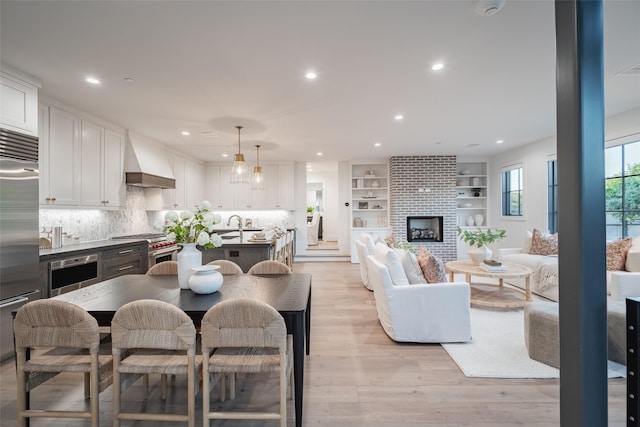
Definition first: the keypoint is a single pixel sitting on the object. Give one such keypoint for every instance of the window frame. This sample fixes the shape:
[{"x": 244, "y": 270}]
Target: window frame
[{"x": 506, "y": 192}]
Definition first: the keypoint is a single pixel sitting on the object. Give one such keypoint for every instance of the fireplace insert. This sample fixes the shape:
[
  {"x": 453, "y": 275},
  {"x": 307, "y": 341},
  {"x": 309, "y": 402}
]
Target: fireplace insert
[{"x": 424, "y": 229}]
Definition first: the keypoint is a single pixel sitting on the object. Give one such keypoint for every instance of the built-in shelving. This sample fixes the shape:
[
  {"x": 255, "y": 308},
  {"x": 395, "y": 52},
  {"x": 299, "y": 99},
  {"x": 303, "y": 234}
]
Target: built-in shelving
[{"x": 471, "y": 194}]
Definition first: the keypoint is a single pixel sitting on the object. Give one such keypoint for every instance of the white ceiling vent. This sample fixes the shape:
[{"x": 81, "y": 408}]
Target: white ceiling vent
[{"x": 633, "y": 70}]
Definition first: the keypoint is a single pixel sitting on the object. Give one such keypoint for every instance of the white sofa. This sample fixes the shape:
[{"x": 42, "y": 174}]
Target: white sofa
[
  {"x": 544, "y": 280},
  {"x": 425, "y": 313}
]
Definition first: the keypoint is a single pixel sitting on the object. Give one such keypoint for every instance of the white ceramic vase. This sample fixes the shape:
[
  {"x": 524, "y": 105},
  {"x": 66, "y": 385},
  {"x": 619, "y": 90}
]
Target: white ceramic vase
[
  {"x": 478, "y": 255},
  {"x": 205, "y": 279},
  {"x": 470, "y": 221},
  {"x": 479, "y": 219},
  {"x": 188, "y": 258}
]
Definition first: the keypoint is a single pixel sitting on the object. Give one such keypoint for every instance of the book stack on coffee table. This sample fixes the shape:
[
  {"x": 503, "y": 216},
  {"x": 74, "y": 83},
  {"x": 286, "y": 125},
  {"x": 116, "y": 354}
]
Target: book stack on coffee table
[{"x": 493, "y": 266}]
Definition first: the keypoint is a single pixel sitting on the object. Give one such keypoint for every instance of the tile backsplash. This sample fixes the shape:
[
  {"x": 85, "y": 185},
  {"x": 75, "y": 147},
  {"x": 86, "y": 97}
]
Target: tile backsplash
[{"x": 97, "y": 224}]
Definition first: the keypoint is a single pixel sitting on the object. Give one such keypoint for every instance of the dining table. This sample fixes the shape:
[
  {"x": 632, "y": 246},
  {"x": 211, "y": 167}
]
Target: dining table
[{"x": 289, "y": 294}]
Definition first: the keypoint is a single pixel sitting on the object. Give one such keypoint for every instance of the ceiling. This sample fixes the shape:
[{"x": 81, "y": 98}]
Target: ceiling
[{"x": 207, "y": 66}]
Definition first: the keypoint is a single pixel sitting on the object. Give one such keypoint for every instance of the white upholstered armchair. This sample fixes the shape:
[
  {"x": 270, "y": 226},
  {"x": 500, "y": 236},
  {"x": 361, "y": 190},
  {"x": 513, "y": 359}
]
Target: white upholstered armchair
[
  {"x": 312, "y": 229},
  {"x": 428, "y": 313}
]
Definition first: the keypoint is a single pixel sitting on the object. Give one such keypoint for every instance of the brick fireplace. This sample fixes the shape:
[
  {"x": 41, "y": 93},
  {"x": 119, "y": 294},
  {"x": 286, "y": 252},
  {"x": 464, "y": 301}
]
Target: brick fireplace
[{"x": 420, "y": 187}]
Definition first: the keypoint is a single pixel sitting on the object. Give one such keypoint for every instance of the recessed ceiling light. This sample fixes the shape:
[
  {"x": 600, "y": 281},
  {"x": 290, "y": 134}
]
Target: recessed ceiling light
[
  {"x": 92, "y": 80},
  {"x": 225, "y": 155},
  {"x": 129, "y": 80},
  {"x": 311, "y": 75},
  {"x": 185, "y": 133},
  {"x": 319, "y": 153},
  {"x": 437, "y": 67},
  {"x": 499, "y": 141},
  {"x": 399, "y": 117},
  {"x": 377, "y": 144}
]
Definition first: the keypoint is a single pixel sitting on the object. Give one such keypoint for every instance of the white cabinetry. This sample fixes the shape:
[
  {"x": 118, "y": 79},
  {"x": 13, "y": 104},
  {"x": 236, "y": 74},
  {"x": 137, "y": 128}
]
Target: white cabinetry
[
  {"x": 59, "y": 157},
  {"x": 369, "y": 202},
  {"x": 102, "y": 154},
  {"x": 190, "y": 178},
  {"x": 18, "y": 103},
  {"x": 471, "y": 190},
  {"x": 277, "y": 194}
]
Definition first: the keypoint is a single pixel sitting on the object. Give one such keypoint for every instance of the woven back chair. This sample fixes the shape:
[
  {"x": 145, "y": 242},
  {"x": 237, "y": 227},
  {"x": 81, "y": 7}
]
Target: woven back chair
[
  {"x": 164, "y": 268},
  {"x": 150, "y": 324},
  {"x": 227, "y": 267},
  {"x": 270, "y": 267},
  {"x": 246, "y": 336},
  {"x": 74, "y": 335}
]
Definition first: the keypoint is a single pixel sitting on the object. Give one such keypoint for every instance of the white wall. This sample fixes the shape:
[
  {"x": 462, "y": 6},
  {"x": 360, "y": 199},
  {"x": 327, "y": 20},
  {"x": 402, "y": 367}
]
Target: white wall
[{"x": 534, "y": 159}]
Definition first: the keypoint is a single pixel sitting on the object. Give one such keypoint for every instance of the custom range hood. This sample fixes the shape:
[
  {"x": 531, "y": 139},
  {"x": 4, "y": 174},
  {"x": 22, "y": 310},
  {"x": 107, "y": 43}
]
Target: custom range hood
[{"x": 146, "y": 164}]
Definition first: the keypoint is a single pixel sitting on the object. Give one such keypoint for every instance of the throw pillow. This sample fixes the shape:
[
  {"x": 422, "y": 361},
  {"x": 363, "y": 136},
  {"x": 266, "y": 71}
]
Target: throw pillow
[
  {"x": 411, "y": 267},
  {"x": 390, "y": 258},
  {"x": 543, "y": 244},
  {"x": 632, "y": 262},
  {"x": 617, "y": 254},
  {"x": 432, "y": 267}
]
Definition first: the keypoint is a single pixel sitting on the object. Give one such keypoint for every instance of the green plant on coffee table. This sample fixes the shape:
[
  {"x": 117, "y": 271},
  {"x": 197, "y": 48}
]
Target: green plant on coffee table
[{"x": 480, "y": 237}]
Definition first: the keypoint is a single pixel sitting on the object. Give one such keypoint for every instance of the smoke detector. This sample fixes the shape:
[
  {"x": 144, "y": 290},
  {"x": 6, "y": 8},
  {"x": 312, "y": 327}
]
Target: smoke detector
[{"x": 489, "y": 7}]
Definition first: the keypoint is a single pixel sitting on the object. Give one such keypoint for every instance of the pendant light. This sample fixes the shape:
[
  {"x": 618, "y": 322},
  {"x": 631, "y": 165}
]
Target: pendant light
[
  {"x": 257, "y": 181},
  {"x": 239, "y": 173}
]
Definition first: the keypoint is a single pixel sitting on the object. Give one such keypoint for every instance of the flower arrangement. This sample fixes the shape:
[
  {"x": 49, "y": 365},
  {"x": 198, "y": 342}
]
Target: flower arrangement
[
  {"x": 194, "y": 227},
  {"x": 480, "y": 237},
  {"x": 393, "y": 243}
]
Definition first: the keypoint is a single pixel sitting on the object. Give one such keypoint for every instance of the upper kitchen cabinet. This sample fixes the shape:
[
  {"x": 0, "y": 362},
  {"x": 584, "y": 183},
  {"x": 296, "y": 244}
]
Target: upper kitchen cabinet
[
  {"x": 190, "y": 178},
  {"x": 277, "y": 192},
  {"x": 59, "y": 156},
  {"x": 18, "y": 101},
  {"x": 102, "y": 154}
]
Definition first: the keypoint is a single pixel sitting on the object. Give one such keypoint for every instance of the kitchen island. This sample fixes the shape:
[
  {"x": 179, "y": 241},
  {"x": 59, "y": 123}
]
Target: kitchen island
[{"x": 243, "y": 251}]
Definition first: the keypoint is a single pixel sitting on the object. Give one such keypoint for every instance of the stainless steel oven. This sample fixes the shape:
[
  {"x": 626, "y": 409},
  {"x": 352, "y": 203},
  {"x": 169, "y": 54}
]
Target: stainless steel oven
[
  {"x": 72, "y": 273},
  {"x": 160, "y": 249}
]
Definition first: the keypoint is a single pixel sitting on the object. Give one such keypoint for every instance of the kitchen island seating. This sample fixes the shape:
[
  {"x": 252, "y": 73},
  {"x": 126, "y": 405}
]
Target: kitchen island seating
[
  {"x": 144, "y": 325},
  {"x": 425, "y": 313},
  {"x": 247, "y": 336},
  {"x": 270, "y": 267},
  {"x": 226, "y": 266},
  {"x": 72, "y": 332},
  {"x": 164, "y": 268}
]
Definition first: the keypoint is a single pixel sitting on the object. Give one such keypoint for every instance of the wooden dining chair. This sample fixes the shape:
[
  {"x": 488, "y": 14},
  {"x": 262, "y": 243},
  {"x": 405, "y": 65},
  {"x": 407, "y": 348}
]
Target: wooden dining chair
[
  {"x": 164, "y": 268},
  {"x": 72, "y": 341},
  {"x": 144, "y": 325},
  {"x": 227, "y": 267},
  {"x": 270, "y": 267},
  {"x": 245, "y": 336}
]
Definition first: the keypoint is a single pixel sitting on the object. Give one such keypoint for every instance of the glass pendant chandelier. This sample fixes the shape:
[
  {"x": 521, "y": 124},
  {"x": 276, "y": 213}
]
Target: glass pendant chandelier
[
  {"x": 257, "y": 181},
  {"x": 239, "y": 173}
]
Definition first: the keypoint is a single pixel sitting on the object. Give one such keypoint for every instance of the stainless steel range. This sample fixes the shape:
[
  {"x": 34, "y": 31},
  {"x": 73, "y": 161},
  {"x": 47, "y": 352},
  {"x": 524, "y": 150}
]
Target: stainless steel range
[{"x": 160, "y": 249}]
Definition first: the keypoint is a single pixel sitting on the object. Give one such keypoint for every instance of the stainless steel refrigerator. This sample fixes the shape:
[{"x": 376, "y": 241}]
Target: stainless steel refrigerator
[{"x": 19, "y": 238}]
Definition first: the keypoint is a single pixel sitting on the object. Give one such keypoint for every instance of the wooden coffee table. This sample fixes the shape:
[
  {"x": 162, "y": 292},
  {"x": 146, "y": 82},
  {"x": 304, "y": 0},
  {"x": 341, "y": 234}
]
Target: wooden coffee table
[{"x": 491, "y": 295}]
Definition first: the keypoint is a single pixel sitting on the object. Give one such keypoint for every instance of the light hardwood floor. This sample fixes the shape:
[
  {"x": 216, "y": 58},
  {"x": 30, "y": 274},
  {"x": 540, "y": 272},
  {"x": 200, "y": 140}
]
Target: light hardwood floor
[{"x": 354, "y": 376}]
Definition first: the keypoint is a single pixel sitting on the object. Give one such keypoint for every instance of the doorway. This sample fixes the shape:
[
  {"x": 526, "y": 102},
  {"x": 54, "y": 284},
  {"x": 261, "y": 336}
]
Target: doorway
[{"x": 322, "y": 206}]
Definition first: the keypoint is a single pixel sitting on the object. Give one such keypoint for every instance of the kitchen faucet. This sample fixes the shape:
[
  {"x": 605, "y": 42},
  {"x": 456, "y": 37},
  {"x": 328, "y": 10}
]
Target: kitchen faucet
[{"x": 239, "y": 224}]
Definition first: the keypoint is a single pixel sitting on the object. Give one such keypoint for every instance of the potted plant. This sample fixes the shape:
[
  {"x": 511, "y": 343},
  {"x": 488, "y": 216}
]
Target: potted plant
[
  {"x": 478, "y": 240},
  {"x": 309, "y": 210}
]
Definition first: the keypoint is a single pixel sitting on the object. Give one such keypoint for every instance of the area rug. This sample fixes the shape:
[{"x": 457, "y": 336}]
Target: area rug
[{"x": 497, "y": 349}]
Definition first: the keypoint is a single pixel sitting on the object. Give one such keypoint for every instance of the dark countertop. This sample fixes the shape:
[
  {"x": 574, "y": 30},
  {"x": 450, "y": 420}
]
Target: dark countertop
[{"x": 76, "y": 249}]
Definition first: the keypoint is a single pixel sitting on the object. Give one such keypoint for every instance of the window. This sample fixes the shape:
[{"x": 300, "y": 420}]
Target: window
[
  {"x": 512, "y": 192},
  {"x": 622, "y": 190},
  {"x": 552, "y": 196}
]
